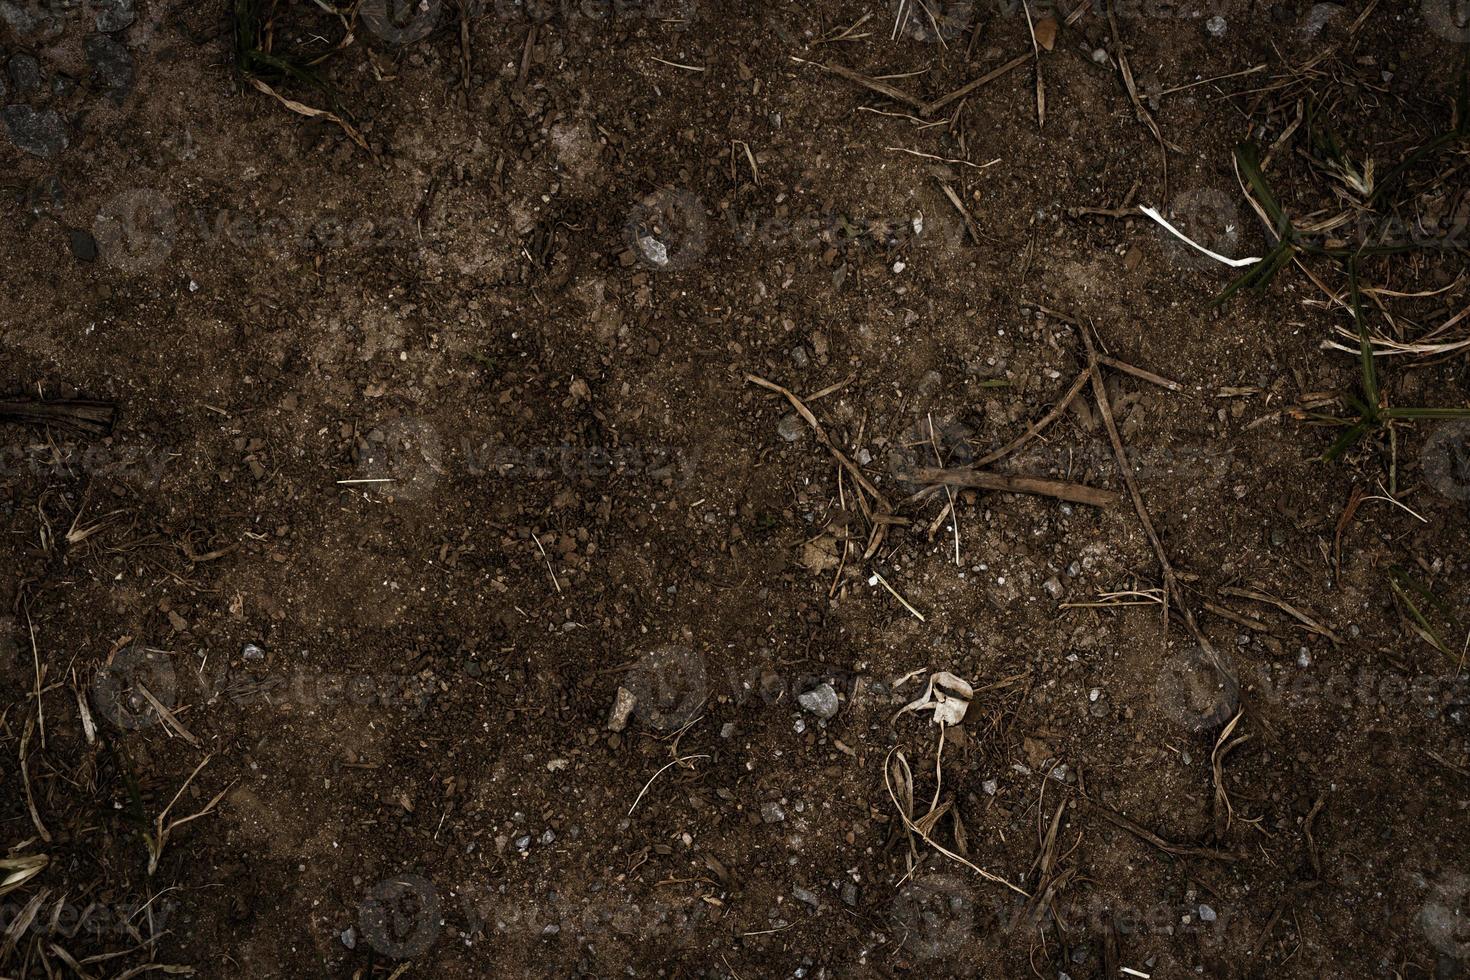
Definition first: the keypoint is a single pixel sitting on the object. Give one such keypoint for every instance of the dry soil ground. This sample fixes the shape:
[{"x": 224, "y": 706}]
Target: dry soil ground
[{"x": 430, "y": 333}]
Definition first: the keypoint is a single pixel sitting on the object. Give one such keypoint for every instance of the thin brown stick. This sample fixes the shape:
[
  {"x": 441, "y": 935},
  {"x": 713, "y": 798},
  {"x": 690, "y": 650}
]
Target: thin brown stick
[
  {"x": 825, "y": 440},
  {"x": 1144, "y": 834},
  {"x": 1139, "y": 372},
  {"x": 869, "y": 82},
  {"x": 985, "y": 480},
  {"x": 928, "y": 109},
  {"x": 1035, "y": 429},
  {"x": 1126, "y": 469}
]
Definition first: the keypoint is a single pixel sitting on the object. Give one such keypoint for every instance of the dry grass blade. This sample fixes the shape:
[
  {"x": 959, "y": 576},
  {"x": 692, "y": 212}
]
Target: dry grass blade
[
  {"x": 310, "y": 112},
  {"x": 23, "y": 921},
  {"x": 914, "y": 828},
  {"x": 825, "y": 440},
  {"x": 1256, "y": 595},
  {"x": 163, "y": 827},
  {"x": 25, "y": 775},
  {"x": 16, "y": 871},
  {"x": 666, "y": 766},
  {"x": 1224, "y": 812}
]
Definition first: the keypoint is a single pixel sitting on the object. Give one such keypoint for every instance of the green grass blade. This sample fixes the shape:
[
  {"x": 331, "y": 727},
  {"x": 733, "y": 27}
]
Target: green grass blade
[
  {"x": 1365, "y": 346},
  {"x": 1427, "y": 413},
  {"x": 1346, "y": 441}
]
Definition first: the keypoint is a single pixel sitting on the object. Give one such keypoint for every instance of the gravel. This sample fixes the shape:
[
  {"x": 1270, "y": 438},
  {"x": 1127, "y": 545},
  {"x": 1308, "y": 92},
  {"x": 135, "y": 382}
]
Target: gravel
[
  {"x": 820, "y": 701},
  {"x": 39, "y": 133}
]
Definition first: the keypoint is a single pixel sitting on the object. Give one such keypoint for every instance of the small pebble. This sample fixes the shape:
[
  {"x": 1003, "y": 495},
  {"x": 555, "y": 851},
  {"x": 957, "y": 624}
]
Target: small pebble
[
  {"x": 990, "y": 786},
  {"x": 820, "y": 701},
  {"x": 791, "y": 427},
  {"x": 114, "y": 15},
  {"x": 40, "y": 133},
  {"x": 1206, "y": 914},
  {"x": 772, "y": 812},
  {"x": 252, "y": 652},
  {"x": 1216, "y": 26},
  {"x": 623, "y": 705},
  {"x": 83, "y": 246}
]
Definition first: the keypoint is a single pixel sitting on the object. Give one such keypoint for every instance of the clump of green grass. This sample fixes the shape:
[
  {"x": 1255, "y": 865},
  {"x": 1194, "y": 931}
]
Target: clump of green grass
[{"x": 1371, "y": 411}]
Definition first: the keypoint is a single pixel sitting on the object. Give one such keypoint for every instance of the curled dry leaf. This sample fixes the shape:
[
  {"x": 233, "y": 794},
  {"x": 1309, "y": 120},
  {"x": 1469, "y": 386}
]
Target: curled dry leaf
[{"x": 947, "y": 695}]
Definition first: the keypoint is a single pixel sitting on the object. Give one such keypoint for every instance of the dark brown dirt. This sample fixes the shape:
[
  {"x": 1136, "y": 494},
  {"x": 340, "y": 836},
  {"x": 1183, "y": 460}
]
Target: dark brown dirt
[{"x": 424, "y": 450}]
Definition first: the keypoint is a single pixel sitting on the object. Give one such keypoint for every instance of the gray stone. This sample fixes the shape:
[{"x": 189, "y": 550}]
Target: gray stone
[
  {"x": 114, "y": 15},
  {"x": 820, "y": 701},
  {"x": 791, "y": 427},
  {"x": 1054, "y": 587},
  {"x": 25, "y": 74},
  {"x": 772, "y": 812},
  {"x": 84, "y": 248},
  {"x": 1216, "y": 26},
  {"x": 623, "y": 704},
  {"x": 39, "y": 133},
  {"x": 806, "y": 895},
  {"x": 112, "y": 63},
  {"x": 1207, "y": 914}
]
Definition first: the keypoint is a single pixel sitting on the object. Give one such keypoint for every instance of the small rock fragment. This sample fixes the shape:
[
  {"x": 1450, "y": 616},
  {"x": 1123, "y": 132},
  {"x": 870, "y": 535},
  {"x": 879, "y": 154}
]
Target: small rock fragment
[
  {"x": 25, "y": 74},
  {"x": 1216, "y": 26},
  {"x": 806, "y": 895},
  {"x": 622, "y": 709},
  {"x": 112, "y": 63},
  {"x": 114, "y": 15},
  {"x": 791, "y": 427},
  {"x": 83, "y": 246},
  {"x": 772, "y": 812},
  {"x": 1054, "y": 587},
  {"x": 820, "y": 701},
  {"x": 40, "y": 133},
  {"x": 1207, "y": 914}
]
